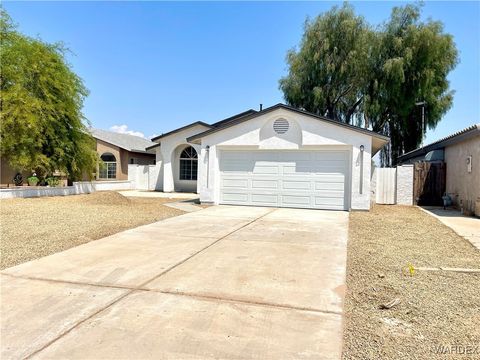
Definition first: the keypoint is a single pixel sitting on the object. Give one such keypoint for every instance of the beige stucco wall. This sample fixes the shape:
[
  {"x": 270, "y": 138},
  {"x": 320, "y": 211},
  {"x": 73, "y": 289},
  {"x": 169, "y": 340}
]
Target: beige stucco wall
[
  {"x": 123, "y": 158},
  {"x": 7, "y": 173},
  {"x": 122, "y": 167},
  {"x": 459, "y": 181}
]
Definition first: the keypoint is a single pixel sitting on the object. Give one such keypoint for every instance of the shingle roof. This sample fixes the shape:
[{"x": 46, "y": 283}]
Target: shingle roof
[
  {"x": 125, "y": 141},
  {"x": 454, "y": 138}
]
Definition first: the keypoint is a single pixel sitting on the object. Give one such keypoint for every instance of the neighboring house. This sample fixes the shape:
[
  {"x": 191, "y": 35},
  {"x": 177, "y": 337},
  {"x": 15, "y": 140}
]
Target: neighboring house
[
  {"x": 118, "y": 150},
  {"x": 280, "y": 156},
  {"x": 115, "y": 149},
  {"x": 461, "y": 153}
]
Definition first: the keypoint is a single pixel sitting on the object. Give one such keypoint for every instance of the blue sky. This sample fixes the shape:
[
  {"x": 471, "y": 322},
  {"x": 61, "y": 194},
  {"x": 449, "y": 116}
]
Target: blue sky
[{"x": 155, "y": 66}]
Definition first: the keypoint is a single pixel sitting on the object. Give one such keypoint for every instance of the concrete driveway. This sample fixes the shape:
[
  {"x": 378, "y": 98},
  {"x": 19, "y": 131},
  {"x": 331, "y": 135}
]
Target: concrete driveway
[{"x": 225, "y": 282}]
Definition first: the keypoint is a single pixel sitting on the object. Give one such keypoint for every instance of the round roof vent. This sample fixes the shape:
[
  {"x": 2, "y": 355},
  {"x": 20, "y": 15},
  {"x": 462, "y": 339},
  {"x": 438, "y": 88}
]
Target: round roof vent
[{"x": 280, "y": 126}]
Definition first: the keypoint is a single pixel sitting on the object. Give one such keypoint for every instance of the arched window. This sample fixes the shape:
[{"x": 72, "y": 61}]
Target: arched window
[
  {"x": 108, "y": 169},
  {"x": 188, "y": 164}
]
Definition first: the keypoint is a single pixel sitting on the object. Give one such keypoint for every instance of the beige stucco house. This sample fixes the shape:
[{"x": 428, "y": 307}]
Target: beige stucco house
[
  {"x": 118, "y": 151},
  {"x": 115, "y": 149},
  {"x": 461, "y": 153}
]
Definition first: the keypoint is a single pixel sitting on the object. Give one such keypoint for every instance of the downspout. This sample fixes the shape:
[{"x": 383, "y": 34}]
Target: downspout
[
  {"x": 362, "y": 148},
  {"x": 207, "y": 148}
]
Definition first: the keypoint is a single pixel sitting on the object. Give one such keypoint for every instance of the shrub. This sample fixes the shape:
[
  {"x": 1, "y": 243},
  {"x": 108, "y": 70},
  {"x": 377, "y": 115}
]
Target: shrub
[
  {"x": 52, "y": 181},
  {"x": 32, "y": 180}
]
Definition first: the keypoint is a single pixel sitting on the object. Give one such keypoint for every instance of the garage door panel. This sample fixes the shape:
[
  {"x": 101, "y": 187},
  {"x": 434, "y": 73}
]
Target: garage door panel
[
  {"x": 295, "y": 200},
  {"x": 329, "y": 194},
  {"x": 329, "y": 186},
  {"x": 313, "y": 169},
  {"x": 265, "y": 184},
  {"x": 234, "y": 197},
  {"x": 305, "y": 179},
  {"x": 266, "y": 169},
  {"x": 235, "y": 183},
  {"x": 296, "y": 185},
  {"x": 264, "y": 199}
]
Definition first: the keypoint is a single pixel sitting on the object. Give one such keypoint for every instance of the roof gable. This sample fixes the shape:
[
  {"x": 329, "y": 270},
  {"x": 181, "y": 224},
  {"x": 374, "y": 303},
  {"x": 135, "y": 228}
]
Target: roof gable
[{"x": 256, "y": 114}]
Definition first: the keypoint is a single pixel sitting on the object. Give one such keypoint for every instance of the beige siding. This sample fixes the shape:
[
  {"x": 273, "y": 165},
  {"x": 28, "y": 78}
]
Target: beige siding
[{"x": 459, "y": 181}]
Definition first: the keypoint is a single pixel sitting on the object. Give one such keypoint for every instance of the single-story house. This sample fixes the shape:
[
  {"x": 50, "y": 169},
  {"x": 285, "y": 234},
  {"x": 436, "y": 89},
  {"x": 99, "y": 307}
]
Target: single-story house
[
  {"x": 461, "y": 154},
  {"x": 279, "y": 156},
  {"x": 115, "y": 149},
  {"x": 118, "y": 150}
]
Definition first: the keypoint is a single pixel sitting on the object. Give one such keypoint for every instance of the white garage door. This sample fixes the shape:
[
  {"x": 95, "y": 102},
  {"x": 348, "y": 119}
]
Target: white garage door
[{"x": 301, "y": 179}]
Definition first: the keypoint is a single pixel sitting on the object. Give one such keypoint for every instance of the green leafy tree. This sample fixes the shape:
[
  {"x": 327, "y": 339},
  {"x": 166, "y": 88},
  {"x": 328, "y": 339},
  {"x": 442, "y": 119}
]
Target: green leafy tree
[
  {"x": 411, "y": 63},
  {"x": 379, "y": 77},
  {"x": 329, "y": 71},
  {"x": 42, "y": 125}
]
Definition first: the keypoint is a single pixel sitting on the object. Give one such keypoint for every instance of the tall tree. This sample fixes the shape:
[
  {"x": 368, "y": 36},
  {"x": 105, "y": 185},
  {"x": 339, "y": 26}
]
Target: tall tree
[
  {"x": 328, "y": 72},
  {"x": 42, "y": 125},
  {"x": 411, "y": 63},
  {"x": 387, "y": 72}
]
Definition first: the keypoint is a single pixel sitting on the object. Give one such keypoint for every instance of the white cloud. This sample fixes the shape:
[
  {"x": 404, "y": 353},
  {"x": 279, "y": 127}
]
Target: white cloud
[
  {"x": 153, "y": 135},
  {"x": 123, "y": 129}
]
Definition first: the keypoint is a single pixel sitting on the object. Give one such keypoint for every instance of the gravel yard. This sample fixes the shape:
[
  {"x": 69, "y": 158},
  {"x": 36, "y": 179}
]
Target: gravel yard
[
  {"x": 438, "y": 310},
  {"x": 35, "y": 227}
]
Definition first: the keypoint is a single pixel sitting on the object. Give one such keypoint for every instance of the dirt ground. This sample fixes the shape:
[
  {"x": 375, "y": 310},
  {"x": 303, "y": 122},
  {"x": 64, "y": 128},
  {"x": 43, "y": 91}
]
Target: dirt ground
[
  {"x": 439, "y": 313},
  {"x": 35, "y": 227}
]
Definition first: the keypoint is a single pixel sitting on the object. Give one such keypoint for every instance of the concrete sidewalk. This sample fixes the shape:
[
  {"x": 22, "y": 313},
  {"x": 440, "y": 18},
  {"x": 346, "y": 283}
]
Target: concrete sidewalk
[
  {"x": 224, "y": 282},
  {"x": 465, "y": 226}
]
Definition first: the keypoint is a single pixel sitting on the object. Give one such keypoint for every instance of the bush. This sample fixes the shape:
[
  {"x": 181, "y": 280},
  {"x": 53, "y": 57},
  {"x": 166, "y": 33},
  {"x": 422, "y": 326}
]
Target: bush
[
  {"x": 52, "y": 181},
  {"x": 32, "y": 181}
]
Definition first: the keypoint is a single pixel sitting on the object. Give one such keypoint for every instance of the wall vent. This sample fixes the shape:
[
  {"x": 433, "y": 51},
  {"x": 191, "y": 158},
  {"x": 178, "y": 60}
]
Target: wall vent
[{"x": 280, "y": 126}]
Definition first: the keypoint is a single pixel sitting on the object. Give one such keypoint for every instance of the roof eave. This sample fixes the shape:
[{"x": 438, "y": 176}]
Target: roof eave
[
  {"x": 180, "y": 129},
  {"x": 152, "y": 146},
  {"x": 455, "y": 138}
]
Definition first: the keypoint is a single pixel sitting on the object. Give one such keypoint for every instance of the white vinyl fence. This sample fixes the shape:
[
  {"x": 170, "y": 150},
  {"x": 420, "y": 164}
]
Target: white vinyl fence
[
  {"x": 386, "y": 186},
  {"x": 393, "y": 185},
  {"x": 143, "y": 177}
]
